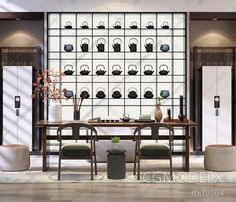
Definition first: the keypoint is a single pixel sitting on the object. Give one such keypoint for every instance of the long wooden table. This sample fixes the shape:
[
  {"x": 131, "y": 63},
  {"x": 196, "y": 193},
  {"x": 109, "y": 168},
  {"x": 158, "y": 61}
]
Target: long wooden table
[{"x": 43, "y": 125}]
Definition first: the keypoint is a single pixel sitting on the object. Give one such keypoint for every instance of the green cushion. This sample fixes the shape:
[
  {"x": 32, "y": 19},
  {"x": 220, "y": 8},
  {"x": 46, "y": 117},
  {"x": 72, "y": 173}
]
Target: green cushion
[
  {"x": 156, "y": 149},
  {"x": 76, "y": 149}
]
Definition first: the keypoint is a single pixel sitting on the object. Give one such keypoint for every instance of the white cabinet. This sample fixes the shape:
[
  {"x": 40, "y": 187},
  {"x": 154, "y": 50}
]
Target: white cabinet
[
  {"x": 216, "y": 105},
  {"x": 17, "y": 122}
]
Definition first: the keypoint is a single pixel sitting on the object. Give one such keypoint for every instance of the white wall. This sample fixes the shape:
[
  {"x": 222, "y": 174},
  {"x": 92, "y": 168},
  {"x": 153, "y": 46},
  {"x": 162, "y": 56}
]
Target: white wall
[{"x": 117, "y": 5}]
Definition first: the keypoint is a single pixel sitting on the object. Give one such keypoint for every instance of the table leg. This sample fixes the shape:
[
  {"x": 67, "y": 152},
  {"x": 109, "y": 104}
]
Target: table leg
[
  {"x": 45, "y": 160},
  {"x": 186, "y": 152}
]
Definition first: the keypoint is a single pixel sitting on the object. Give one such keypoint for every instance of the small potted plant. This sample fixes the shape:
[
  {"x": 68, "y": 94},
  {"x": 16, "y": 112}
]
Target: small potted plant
[{"x": 115, "y": 143}]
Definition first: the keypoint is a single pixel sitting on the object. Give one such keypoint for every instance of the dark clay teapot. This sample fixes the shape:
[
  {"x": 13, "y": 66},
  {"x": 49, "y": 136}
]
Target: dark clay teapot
[
  {"x": 163, "y": 69},
  {"x": 132, "y": 93},
  {"x": 100, "y": 70},
  {"x": 148, "y": 93},
  {"x": 134, "y": 25},
  {"x": 164, "y": 47},
  {"x": 68, "y": 94},
  {"x": 84, "y": 70},
  {"x": 68, "y": 25},
  {"x": 149, "y": 44},
  {"x": 116, "y": 93},
  {"x": 150, "y": 25},
  {"x": 84, "y": 93},
  {"x": 68, "y": 69},
  {"x": 165, "y": 93},
  {"x": 132, "y": 70},
  {"x": 84, "y": 44},
  {"x": 148, "y": 70},
  {"x": 68, "y": 47},
  {"x": 84, "y": 25},
  {"x": 100, "y": 93},
  {"x": 116, "y": 70},
  {"x": 133, "y": 45},
  {"x": 165, "y": 25},
  {"x": 101, "y": 44},
  {"x": 125, "y": 117},
  {"x": 116, "y": 44},
  {"x": 117, "y": 25},
  {"x": 101, "y": 25}
]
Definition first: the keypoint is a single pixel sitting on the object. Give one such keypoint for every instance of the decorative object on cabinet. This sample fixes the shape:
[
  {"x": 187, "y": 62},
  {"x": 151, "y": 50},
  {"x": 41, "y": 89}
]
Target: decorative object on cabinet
[
  {"x": 68, "y": 25},
  {"x": 164, "y": 93},
  {"x": 68, "y": 94},
  {"x": 158, "y": 113},
  {"x": 150, "y": 25},
  {"x": 115, "y": 143},
  {"x": 100, "y": 70},
  {"x": 84, "y": 69},
  {"x": 163, "y": 69},
  {"x": 101, "y": 25},
  {"x": 148, "y": 69},
  {"x": 116, "y": 44},
  {"x": 68, "y": 69},
  {"x": 116, "y": 70},
  {"x": 149, "y": 44},
  {"x": 181, "y": 106},
  {"x": 116, "y": 93},
  {"x": 132, "y": 92},
  {"x": 84, "y": 44},
  {"x": 134, "y": 25},
  {"x": 148, "y": 93},
  {"x": 68, "y": 47},
  {"x": 133, "y": 44},
  {"x": 84, "y": 25},
  {"x": 164, "y": 47},
  {"x": 132, "y": 70},
  {"x": 101, "y": 44},
  {"x": 84, "y": 93},
  {"x": 125, "y": 117},
  {"x": 165, "y": 25},
  {"x": 117, "y": 25},
  {"x": 100, "y": 93},
  {"x": 168, "y": 114}
]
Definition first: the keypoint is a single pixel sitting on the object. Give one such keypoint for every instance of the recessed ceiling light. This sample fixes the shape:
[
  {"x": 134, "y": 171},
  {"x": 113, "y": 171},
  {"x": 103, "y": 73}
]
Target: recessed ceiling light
[
  {"x": 214, "y": 19},
  {"x": 18, "y": 19}
]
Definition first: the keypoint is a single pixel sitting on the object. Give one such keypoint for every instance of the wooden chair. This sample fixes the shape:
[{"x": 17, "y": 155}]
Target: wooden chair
[
  {"x": 77, "y": 150},
  {"x": 155, "y": 150}
]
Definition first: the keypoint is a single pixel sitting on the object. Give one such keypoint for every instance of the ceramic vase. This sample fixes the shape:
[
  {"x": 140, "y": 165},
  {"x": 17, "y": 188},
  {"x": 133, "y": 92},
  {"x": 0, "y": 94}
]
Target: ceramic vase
[
  {"x": 158, "y": 114},
  {"x": 115, "y": 146},
  {"x": 54, "y": 112}
]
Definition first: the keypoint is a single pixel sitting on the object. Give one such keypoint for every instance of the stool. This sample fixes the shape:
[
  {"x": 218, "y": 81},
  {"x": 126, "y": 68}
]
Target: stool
[
  {"x": 116, "y": 164},
  {"x": 14, "y": 157},
  {"x": 220, "y": 157}
]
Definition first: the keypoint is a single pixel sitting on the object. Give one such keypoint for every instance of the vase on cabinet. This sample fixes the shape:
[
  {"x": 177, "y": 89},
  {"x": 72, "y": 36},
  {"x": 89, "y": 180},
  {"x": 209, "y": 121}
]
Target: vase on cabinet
[
  {"x": 54, "y": 112},
  {"x": 158, "y": 114}
]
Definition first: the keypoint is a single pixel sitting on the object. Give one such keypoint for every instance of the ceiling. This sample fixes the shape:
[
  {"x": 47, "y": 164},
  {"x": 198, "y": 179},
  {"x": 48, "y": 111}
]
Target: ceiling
[
  {"x": 21, "y": 15},
  {"x": 213, "y": 15}
]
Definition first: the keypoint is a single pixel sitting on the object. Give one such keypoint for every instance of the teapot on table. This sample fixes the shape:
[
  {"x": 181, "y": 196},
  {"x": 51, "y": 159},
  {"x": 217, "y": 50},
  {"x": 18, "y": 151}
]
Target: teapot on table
[
  {"x": 84, "y": 69},
  {"x": 116, "y": 93},
  {"x": 132, "y": 93},
  {"x": 84, "y": 44},
  {"x": 68, "y": 69},
  {"x": 68, "y": 25},
  {"x": 132, "y": 70},
  {"x": 101, "y": 44},
  {"x": 100, "y": 70},
  {"x": 149, "y": 44},
  {"x": 148, "y": 70},
  {"x": 116, "y": 44},
  {"x": 100, "y": 93},
  {"x": 133, "y": 44},
  {"x": 116, "y": 70},
  {"x": 125, "y": 117}
]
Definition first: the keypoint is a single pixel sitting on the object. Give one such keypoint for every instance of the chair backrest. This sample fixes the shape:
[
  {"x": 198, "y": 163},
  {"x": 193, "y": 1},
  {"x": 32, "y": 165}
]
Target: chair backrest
[
  {"x": 76, "y": 127},
  {"x": 154, "y": 129}
]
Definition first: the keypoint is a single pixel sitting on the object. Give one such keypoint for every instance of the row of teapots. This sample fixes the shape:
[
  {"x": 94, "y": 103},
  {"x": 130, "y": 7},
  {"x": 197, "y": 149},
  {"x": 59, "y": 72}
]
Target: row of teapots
[
  {"x": 117, "y": 25},
  {"x": 116, "y": 93},
  {"x": 133, "y": 42},
  {"x": 116, "y": 69}
]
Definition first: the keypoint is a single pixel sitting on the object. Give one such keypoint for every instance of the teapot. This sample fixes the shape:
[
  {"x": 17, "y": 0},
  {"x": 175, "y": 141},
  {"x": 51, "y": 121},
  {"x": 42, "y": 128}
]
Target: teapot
[
  {"x": 101, "y": 25},
  {"x": 148, "y": 70},
  {"x": 68, "y": 94},
  {"x": 101, "y": 44},
  {"x": 116, "y": 44},
  {"x": 132, "y": 70},
  {"x": 163, "y": 69},
  {"x": 84, "y": 25},
  {"x": 100, "y": 70},
  {"x": 148, "y": 93},
  {"x": 164, "y": 47},
  {"x": 134, "y": 25},
  {"x": 116, "y": 70},
  {"x": 116, "y": 93},
  {"x": 149, "y": 44},
  {"x": 165, "y": 25},
  {"x": 132, "y": 93},
  {"x": 68, "y": 69},
  {"x": 117, "y": 25},
  {"x": 132, "y": 45},
  {"x": 100, "y": 93},
  {"x": 84, "y": 44},
  {"x": 165, "y": 93},
  {"x": 68, "y": 47},
  {"x": 150, "y": 25},
  {"x": 68, "y": 25},
  {"x": 84, "y": 69},
  {"x": 84, "y": 93},
  {"x": 125, "y": 117}
]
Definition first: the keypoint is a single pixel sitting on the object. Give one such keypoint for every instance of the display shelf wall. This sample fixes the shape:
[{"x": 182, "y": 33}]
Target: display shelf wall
[{"x": 174, "y": 58}]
